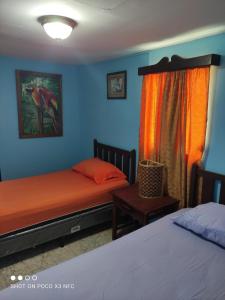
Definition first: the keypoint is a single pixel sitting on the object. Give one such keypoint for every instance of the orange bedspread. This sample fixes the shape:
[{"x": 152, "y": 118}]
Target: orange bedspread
[{"x": 28, "y": 201}]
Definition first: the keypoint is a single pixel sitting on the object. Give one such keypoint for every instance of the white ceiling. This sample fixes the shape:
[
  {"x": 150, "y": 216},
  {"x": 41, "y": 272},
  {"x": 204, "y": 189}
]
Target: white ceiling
[{"x": 106, "y": 28}]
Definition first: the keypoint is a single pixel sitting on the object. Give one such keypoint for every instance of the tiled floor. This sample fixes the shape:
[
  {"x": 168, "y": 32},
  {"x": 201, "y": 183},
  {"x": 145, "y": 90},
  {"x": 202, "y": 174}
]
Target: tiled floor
[{"x": 43, "y": 257}]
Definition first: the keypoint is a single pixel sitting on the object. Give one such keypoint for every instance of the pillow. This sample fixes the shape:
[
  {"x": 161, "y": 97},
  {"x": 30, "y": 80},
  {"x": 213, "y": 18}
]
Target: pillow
[
  {"x": 99, "y": 170},
  {"x": 206, "y": 220}
]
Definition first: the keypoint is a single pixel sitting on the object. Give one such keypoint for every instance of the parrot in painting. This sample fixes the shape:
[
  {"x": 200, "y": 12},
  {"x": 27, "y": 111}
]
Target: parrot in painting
[{"x": 45, "y": 101}]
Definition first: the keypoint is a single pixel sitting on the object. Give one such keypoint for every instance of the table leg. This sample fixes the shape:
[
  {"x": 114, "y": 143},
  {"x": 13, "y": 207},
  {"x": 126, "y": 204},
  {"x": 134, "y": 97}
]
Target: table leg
[
  {"x": 145, "y": 220},
  {"x": 114, "y": 222}
]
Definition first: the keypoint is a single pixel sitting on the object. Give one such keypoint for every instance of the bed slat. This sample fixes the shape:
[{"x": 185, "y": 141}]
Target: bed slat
[
  {"x": 126, "y": 164},
  {"x": 132, "y": 166},
  {"x": 112, "y": 157},
  {"x": 119, "y": 161},
  {"x": 105, "y": 155},
  {"x": 100, "y": 152},
  {"x": 222, "y": 192},
  {"x": 207, "y": 189}
]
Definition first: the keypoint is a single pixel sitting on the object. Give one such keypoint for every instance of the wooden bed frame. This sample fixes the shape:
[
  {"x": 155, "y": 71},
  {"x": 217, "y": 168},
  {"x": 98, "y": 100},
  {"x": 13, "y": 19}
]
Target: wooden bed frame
[
  {"x": 63, "y": 226},
  {"x": 211, "y": 183}
]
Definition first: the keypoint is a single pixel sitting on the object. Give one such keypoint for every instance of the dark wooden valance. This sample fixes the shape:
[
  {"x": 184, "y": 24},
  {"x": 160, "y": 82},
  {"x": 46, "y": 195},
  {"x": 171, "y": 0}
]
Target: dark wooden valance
[{"x": 179, "y": 63}]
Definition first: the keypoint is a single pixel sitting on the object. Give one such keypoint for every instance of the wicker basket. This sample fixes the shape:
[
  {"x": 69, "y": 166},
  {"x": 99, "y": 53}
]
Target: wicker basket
[{"x": 150, "y": 176}]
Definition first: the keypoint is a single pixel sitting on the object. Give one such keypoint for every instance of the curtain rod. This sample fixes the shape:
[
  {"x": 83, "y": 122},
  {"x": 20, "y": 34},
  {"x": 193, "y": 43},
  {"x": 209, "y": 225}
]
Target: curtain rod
[{"x": 180, "y": 63}]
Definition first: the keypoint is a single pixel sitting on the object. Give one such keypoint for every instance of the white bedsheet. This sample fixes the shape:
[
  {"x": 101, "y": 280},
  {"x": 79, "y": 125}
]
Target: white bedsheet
[{"x": 160, "y": 261}]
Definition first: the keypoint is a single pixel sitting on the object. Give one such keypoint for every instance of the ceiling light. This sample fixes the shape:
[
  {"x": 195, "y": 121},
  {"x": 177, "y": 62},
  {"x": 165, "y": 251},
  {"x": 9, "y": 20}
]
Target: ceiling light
[{"x": 57, "y": 27}]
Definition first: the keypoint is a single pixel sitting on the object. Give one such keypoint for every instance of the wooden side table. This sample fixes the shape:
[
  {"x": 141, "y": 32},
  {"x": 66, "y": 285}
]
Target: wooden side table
[{"x": 127, "y": 201}]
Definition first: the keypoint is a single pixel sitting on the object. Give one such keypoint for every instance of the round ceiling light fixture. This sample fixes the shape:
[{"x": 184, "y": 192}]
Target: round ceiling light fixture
[{"x": 57, "y": 27}]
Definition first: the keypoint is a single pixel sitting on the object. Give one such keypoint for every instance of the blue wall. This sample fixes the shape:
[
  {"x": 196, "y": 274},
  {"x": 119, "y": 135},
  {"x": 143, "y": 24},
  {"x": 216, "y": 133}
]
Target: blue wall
[
  {"x": 25, "y": 157},
  {"x": 87, "y": 113},
  {"x": 117, "y": 122}
]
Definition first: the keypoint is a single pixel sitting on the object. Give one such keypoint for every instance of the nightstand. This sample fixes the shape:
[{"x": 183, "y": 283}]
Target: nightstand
[{"x": 128, "y": 202}]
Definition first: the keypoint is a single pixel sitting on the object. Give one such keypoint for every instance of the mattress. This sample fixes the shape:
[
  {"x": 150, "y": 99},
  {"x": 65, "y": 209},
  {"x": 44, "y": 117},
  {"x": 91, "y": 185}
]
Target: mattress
[
  {"x": 28, "y": 201},
  {"x": 160, "y": 261}
]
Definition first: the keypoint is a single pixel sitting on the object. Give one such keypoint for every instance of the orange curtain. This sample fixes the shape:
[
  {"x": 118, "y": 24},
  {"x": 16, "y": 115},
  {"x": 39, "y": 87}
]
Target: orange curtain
[{"x": 173, "y": 124}]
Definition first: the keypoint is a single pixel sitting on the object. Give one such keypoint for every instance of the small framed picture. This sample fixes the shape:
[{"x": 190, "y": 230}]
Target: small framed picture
[{"x": 117, "y": 85}]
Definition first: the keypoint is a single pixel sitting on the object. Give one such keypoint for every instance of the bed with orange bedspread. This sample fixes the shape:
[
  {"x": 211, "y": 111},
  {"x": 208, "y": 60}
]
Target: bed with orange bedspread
[
  {"x": 29, "y": 201},
  {"x": 41, "y": 208}
]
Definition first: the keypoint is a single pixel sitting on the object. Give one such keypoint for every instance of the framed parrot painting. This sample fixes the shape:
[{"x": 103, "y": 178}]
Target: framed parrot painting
[{"x": 39, "y": 97}]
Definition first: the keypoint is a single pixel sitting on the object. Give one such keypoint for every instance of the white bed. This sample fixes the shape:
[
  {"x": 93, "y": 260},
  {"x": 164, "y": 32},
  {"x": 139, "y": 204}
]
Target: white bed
[{"x": 160, "y": 261}]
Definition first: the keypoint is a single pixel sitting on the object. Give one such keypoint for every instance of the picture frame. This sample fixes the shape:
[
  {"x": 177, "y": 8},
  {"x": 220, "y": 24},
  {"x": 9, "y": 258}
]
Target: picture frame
[
  {"x": 117, "y": 85},
  {"x": 39, "y": 101}
]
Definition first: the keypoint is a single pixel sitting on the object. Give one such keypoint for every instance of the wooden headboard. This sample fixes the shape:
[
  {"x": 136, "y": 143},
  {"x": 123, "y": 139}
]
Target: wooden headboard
[
  {"x": 210, "y": 183},
  {"x": 123, "y": 159}
]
